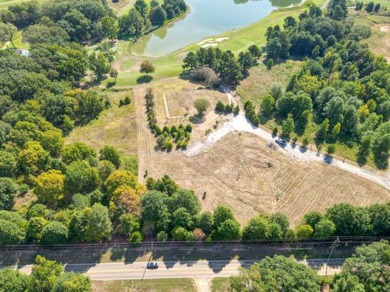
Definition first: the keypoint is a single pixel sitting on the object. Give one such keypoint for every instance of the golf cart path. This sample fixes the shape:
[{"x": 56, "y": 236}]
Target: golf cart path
[{"x": 239, "y": 123}]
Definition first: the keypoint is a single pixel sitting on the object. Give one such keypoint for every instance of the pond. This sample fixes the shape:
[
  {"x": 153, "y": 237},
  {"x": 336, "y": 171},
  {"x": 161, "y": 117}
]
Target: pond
[{"x": 206, "y": 18}]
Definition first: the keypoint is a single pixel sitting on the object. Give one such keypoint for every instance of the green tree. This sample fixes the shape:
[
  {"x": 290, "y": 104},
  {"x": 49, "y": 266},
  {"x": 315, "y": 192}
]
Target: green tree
[
  {"x": 13, "y": 280},
  {"x": 11, "y": 233},
  {"x": 255, "y": 51},
  {"x": 110, "y": 27},
  {"x": 256, "y": 229},
  {"x": 72, "y": 282},
  {"x": 45, "y": 274},
  {"x": 142, "y": 8},
  {"x": 205, "y": 222},
  {"x": 312, "y": 218},
  {"x": 81, "y": 178},
  {"x": 157, "y": 16},
  {"x": 228, "y": 230},
  {"x": 267, "y": 106},
  {"x": 276, "y": 274},
  {"x": 155, "y": 209},
  {"x": 49, "y": 186},
  {"x": 221, "y": 214},
  {"x": 185, "y": 199},
  {"x": 380, "y": 218},
  {"x": 370, "y": 265},
  {"x": 280, "y": 219},
  {"x": 324, "y": 228},
  {"x": 350, "y": 220},
  {"x": 346, "y": 282},
  {"x": 201, "y": 105},
  {"x": 147, "y": 67},
  {"x": 288, "y": 126},
  {"x": 35, "y": 227},
  {"x": 331, "y": 149},
  {"x": 78, "y": 151},
  {"x": 7, "y": 33},
  {"x": 179, "y": 234},
  {"x": 181, "y": 217},
  {"x": 120, "y": 178},
  {"x": 55, "y": 233},
  {"x": 99, "y": 65},
  {"x": 96, "y": 223},
  {"x": 7, "y": 163},
  {"x": 8, "y": 190},
  {"x": 105, "y": 168},
  {"x": 305, "y": 231},
  {"x": 111, "y": 154}
]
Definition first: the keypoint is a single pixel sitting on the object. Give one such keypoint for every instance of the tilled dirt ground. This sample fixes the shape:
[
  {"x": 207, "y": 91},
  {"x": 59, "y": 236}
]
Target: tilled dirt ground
[{"x": 241, "y": 172}]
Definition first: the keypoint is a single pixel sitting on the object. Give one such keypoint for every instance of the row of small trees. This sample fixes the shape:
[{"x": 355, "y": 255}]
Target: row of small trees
[
  {"x": 370, "y": 6},
  {"x": 166, "y": 137},
  {"x": 220, "y": 107}
]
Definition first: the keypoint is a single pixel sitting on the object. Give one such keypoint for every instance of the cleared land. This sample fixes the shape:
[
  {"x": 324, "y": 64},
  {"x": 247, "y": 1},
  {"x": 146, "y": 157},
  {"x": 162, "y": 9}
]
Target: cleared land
[
  {"x": 151, "y": 285},
  {"x": 241, "y": 172},
  {"x": 116, "y": 126}
]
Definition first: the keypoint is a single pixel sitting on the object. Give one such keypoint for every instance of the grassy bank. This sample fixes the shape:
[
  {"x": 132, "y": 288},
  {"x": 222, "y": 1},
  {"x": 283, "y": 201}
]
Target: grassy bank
[
  {"x": 161, "y": 285},
  {"x": 170, "y": 65}
]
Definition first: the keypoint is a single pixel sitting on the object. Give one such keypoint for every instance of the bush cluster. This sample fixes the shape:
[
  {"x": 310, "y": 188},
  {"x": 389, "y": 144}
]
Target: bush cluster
[
  {"x": 251, "y": 114},
  {"x": 220, "y": 107},
  {"x": 167, "y": 136}
]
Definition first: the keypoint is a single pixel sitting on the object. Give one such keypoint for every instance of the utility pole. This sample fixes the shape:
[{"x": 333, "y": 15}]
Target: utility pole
[{"x": 332, "y": 247}]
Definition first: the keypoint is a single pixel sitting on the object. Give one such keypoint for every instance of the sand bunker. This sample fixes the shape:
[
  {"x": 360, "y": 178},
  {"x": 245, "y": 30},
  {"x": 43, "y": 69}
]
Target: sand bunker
[
  {"x": 209, "y": 45},
  {"x": 221, "y": 39},
  {"x": 205, "y": 41}
]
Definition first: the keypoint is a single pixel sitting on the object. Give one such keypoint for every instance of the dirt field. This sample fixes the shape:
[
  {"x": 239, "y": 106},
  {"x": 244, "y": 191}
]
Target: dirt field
[
  {"x": 116, "y": 127},
  {"x": 243, "y": 173}
]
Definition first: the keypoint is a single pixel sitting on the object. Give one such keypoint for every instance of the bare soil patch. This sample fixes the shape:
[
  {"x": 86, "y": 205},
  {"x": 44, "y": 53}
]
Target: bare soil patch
[{"x": 240, "y": 171}]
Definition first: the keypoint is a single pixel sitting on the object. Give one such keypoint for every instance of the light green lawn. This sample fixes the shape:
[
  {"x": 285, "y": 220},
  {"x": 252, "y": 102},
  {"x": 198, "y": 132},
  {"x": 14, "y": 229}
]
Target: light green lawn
[
  {"x": 153, "y": 285},
  {"x": 5, "y": 3}
]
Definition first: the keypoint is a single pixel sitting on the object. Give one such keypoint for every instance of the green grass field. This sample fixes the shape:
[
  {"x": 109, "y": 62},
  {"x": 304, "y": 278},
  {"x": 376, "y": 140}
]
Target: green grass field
[
  {"x": 220, "y": 285},
  {"x": 5, "y": 3},
  {"x": 151, "y": 285}
]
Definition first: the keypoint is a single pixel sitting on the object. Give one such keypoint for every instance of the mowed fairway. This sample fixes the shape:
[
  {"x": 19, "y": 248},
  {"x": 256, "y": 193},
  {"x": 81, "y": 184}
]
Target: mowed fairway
[
  {"x": 241, "y": 172},
  {"x": 155, "y": 285},
  {"x": 115, "y": 126}
]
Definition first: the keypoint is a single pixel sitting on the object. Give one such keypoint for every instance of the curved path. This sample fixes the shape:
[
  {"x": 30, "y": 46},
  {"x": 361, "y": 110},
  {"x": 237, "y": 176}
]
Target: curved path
[{"x": 241, "y": 124}]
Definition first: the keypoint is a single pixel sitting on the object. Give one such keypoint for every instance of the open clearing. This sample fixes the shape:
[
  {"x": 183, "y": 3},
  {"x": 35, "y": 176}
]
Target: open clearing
[
  {"x": 116, "y": 126},
  {"x": 241, "y": 172},
  {"x": 260, "y": 80}
]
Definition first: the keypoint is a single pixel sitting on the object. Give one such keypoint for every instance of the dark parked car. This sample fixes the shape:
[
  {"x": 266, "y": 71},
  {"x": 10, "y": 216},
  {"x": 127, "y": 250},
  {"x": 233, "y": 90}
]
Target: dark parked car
[
  {"x": 152, "y": 265},
  {"x": 281, "y": 142}
]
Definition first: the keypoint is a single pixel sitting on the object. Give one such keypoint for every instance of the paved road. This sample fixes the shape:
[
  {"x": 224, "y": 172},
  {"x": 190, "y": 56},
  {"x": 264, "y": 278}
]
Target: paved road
[{"x": 195, "y": 270}]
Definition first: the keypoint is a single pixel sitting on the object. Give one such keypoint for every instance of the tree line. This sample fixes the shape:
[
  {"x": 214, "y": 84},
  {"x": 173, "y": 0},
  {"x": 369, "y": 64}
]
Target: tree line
[
  {"x": 366, "y": 270},
  {"x": 342, "y": 90},
  {"x": 143, "y": 18},
  {"x": 46, "y": 275}
]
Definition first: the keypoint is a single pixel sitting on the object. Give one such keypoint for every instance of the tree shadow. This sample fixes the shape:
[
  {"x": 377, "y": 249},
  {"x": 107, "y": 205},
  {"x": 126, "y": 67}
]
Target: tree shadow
[
  {"x": 197, "y": 119},
  {"x": 110, "y": 84},
  {"x": 144, "y": 79}
]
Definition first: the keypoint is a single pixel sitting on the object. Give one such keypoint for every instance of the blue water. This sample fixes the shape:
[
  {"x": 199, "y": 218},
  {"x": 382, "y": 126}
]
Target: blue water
[{"x": 207, "y": 18}]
